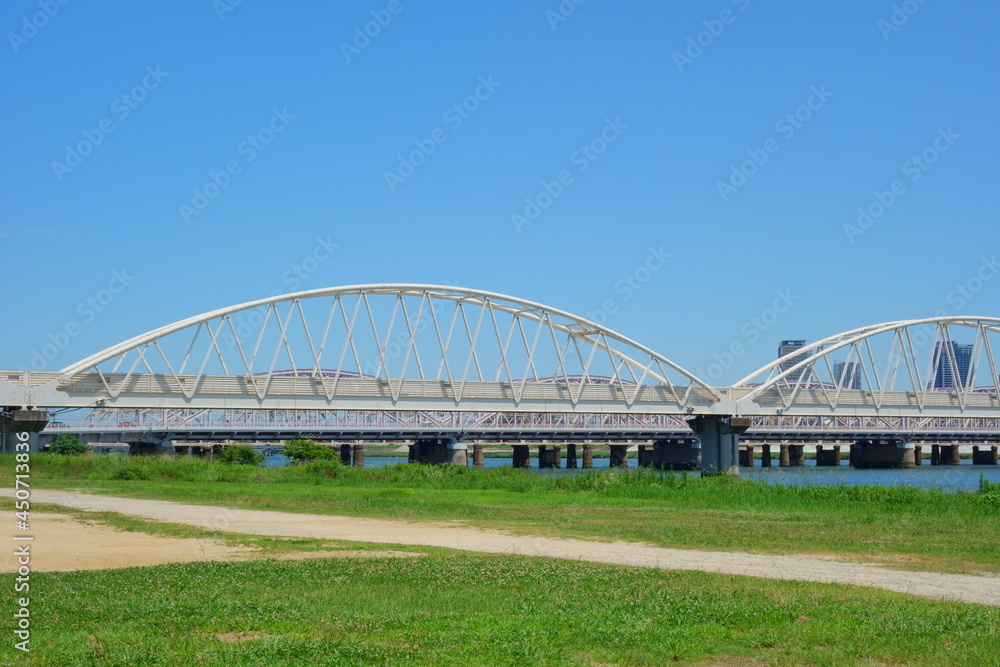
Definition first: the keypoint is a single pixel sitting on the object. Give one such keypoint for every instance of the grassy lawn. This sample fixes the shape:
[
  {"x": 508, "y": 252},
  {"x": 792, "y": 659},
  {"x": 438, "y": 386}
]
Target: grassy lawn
[
  {"x": 901, "y": 526},
  {"x": 467, "y": 609}
]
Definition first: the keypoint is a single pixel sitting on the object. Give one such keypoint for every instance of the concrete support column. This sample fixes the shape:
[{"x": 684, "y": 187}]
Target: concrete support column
[
  {"x": 477, "y": 455},
  {"x": 956, "y": 456},
  {"x": 619, "y": 456},
  {"x": 588, "y": 456},
  {"x": 570, "y": 456},
  {"x": 883, "y": 454},
  {"x": 935, "y": 455},
  {"x": 456, "y": 453},
  {"x": 345, "y": 454},
  {"x": 675, "y": 454},
  {"x": 411, "y": 457},
  {"x": 918, "y": 455},
  {"x": 784, "y": 458},
  {"x": 522, "y": 456},
  {"x": 797, "y": 455},
  {"x": 765, "y": 456},
  {"x": 720, "y": 438},
  {"x": 14, "y": 421},
  {"x": 746, "y": 456},
  {"x": 981, "y": 456},
  {"x": 547, "y": 457},
  {"x": 359, "y": 456},
  {"x": 827, "y": 457},
  {"x": 646, "y": 457}
]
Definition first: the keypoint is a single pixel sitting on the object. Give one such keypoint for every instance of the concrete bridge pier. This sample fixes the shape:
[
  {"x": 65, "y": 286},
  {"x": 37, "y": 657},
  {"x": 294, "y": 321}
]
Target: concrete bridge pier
[
  {"x": 548, "y": 456},
  {"x": 797, "y": 455},
  {"x": 359, "y": 456},
  {"x": 677, "y": 454},
  {"x": 645, "y": 457},
  {"x": 588, "y": 456},
  {"x": 828, "y": 457},
  {"x": 570, "y": 456},
  {"x": 158, "y": 448},
  {"x": 522, "y": 456},
  {"x": 439, "y": 451},
  {"x": 720, "y": 439},
  {"x": 477, "y": 455},
  {"x": 948, "y": 455},
  {"x": 345, "y": 454},
  {"x": 765, "y": 456},
  {"x": 918, "y": 455},
  {"x": 746, "y": 456},
  {"x": 14, "y": 421},
  {"x": 883, "y": 454},
  {"x": 619, "y": 456},
  {"x": 981, "y": 456},
  {"x": 784, "y": 456}
]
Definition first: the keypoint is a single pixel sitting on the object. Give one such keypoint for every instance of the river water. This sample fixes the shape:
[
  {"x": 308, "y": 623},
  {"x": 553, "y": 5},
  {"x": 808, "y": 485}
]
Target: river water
[{"x": 965, "y": 477}]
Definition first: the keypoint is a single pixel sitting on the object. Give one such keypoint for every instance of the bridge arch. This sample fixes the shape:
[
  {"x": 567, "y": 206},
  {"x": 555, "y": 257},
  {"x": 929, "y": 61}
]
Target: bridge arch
[
  {"x": 375, "y": 346},
  {"x": 939, "y": 362}
]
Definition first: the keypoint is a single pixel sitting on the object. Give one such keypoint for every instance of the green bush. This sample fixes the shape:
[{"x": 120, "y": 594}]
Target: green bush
[
  {"x": 67, "y": 444},
  {"x": 238, "y": 454},
  {"x": 307, "y": 450}
]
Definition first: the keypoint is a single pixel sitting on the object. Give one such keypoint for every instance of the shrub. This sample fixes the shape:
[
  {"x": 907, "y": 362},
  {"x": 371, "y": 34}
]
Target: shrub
[
  {"x": 238, "y": 454},
  {"x": 67, "y": 444},
  {"x": 307, "y": 450}
]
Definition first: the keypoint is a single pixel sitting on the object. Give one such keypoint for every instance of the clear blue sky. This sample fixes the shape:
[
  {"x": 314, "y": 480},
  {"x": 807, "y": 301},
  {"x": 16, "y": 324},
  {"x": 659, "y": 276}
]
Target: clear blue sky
[{"x": 199, "y": 80}]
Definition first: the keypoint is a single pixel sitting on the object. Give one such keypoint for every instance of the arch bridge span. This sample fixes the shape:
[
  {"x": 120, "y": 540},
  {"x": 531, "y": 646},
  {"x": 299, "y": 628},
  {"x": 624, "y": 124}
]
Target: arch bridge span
[{"x": 401, "y": 347}]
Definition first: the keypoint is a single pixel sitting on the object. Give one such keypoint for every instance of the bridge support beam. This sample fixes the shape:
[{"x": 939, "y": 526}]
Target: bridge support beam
[
  {"x": 477, "y": 455},
  {"x": 619, "y": 456},
  {"x": 570, "y": 456},
  {"x": 588, "y": 456},
  {"x": 522, "y": 456},
  {"x": 14, "y": 421},
  {"x": 720, "y": 441},
  {"x": 883, "y": 454}
]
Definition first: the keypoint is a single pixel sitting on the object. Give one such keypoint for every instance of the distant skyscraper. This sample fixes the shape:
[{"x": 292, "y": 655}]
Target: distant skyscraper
[
  {"x": 945, "y": 375},
  {"x": 847, "y": 374},
  {"x": 788, "y": 347}
]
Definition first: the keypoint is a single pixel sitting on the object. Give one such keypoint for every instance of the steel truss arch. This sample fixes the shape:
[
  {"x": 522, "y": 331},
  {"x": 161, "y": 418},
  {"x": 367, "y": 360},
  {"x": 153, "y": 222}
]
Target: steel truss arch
[
  {"x": 909, "y": 363},
  {"x": 419, "y": 345}
]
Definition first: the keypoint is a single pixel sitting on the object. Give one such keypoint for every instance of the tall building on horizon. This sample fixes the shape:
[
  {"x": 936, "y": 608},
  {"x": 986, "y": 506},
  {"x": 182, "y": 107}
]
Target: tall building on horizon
[
  {"x": 788, "y": 347},
  {"x": 945, "y": 374},
  {"x": 846, "y": 374}
]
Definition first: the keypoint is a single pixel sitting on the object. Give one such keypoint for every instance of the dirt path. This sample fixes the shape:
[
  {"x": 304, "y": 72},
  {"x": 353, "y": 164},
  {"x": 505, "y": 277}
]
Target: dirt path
[{"x": 956, "y": 587}]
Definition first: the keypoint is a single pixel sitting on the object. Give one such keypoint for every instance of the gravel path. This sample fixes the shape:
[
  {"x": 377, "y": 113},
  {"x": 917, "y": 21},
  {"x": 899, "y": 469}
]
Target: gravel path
[{"x": 955, "y": 587}]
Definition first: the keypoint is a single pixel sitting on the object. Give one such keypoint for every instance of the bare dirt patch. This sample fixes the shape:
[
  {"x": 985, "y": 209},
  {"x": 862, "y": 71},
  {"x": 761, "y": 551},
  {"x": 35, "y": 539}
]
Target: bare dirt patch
[{"x": 63, "y": 544}]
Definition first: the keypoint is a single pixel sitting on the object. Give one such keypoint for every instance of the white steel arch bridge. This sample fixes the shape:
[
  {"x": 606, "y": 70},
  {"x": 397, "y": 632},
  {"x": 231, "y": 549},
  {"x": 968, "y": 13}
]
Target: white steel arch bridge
[{"x": 403, "y": 347}]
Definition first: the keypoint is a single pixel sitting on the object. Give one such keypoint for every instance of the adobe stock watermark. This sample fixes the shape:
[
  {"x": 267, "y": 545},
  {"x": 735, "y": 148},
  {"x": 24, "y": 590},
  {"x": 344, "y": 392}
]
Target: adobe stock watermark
[
  {"x": 223, "y": 7},
  {"x": 786, "y": 127},
  {"x": 121, "y": 107},
  {"x": 581, "y": 158},
  {"x": 562, "y": 12},
  {"x": 914, "y": 168},
  {"x": 86, "y": 312},
  {"x": 696, "y": 44},
  {"x": 454, "y": 117},
  {"x": 363, "y": 35},
  {"x": 751, "y": 332},
  {"x": 899, "y": 17},
  {"x": 630, "y": 283},
  {"x": 31, "y": 24},
  {"x": 964, "y": 292},
  {"x": 248, "y": 323},
  {"x": 248, "y": 150}
]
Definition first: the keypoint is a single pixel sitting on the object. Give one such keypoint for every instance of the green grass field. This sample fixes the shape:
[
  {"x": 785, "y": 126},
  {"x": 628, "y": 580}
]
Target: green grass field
[
  {"x": 460, "y": 609},
  {"x": 901, "y": 526}
]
